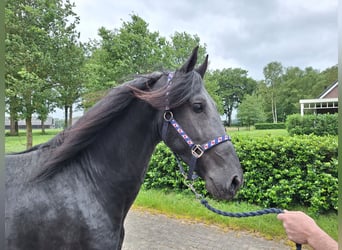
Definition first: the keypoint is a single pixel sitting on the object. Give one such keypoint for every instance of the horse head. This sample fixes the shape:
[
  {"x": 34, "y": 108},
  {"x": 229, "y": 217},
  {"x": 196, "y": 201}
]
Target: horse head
[{"x": 192, "y": 129}]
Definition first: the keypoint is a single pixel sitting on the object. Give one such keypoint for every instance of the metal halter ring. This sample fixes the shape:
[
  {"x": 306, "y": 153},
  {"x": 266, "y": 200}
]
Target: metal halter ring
[
  {"x": 168, "y": 115},
  {"x": 197, "y": 150}
]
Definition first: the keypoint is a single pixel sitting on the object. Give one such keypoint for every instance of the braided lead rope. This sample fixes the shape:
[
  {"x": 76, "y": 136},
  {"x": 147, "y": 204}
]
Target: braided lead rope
[
  {"x": 246, "y": 214},
  {"x": 243, "y": 214},
  {"x": 205, "y": 203}
]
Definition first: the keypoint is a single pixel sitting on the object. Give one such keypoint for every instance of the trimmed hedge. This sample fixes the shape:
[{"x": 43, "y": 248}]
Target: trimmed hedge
[
  {"x": 163, "y": 172},
  {"x": 287, "y": 171},
  {"x": 322, "y": 124},
  {"x": 279, "y": 125},
  {"x": 278, "y": 171}
]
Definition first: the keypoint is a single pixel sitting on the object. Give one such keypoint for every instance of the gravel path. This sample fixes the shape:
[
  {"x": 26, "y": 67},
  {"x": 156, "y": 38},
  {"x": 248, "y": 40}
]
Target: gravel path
[{"x": 145, "y": 230}]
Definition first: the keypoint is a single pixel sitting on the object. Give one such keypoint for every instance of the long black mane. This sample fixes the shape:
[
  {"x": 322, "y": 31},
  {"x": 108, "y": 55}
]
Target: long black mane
[{"x": 67, "y": 144}]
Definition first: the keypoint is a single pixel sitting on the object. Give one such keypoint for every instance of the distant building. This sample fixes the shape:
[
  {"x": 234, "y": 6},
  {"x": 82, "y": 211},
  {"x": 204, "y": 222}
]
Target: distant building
[
  {"x": 327, "y": 102},
  {"x": 36, "y": 123}
]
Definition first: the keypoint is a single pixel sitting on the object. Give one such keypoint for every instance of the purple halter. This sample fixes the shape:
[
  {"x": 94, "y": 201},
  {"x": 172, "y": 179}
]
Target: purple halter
[{"x": 197, "y": 150}]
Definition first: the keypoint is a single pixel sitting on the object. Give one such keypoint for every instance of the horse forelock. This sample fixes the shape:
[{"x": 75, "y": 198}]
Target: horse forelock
[
  {"x": 173, "y": 94},
  {"x": 69, "y": 143}
]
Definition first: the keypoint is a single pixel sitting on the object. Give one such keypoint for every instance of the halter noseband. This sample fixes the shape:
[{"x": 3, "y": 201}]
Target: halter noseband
[{"x": 197, "y": 150}]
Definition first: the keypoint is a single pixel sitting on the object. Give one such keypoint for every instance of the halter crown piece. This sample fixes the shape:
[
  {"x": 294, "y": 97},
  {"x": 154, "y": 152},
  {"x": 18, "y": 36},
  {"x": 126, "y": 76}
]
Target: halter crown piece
[{"x": 197, "y": 150}]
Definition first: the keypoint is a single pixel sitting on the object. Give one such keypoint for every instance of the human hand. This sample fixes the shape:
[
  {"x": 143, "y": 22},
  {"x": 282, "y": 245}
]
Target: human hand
[
  {"x": 302, "y": 229},
  {"x": 299, "y": 227}
]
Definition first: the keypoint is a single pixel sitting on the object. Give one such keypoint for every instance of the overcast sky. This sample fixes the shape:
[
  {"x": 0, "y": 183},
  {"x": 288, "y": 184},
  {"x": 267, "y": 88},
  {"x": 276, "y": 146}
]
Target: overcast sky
[{"x": 238, "y": 33}]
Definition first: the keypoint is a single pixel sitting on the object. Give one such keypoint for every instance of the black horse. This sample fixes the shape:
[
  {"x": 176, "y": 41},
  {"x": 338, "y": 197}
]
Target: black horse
[{"x": 74, "y": 191}]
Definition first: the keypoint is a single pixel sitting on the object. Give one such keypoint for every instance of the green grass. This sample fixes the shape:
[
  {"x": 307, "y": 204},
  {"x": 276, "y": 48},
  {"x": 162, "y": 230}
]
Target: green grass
[
  {"x": 232, "y": 131},
  {"x": 18, "y": 143},
  {"x": 185, "y": 206}
]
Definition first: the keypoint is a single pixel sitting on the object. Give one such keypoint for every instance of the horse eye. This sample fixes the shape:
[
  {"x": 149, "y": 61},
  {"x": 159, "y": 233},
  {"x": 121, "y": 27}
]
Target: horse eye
[{"x": 197, "y": 107}]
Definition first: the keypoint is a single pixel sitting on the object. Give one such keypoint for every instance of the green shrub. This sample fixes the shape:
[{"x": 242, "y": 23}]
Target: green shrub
[
  {"x": 163, "y": 172},
  {"x": 325, "y": 124},
  {"x": 279, "y": 125},
  {"x": 287, "y": 171},
  {"x": 278, "y": 171}
]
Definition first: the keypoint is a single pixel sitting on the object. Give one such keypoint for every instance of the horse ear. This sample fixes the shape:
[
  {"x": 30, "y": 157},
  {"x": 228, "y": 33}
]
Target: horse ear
[
  {"x": 203, "y": 67},
  {"x": 191, "y": 62}
]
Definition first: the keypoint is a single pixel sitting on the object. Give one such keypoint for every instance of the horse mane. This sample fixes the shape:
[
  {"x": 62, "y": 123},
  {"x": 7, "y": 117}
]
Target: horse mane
[{"x": 70, "y": 142}]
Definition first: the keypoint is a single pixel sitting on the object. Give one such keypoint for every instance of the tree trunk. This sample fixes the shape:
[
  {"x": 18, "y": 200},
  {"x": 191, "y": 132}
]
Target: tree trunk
[
  {"x": 70, "y": 116},
  {"x": 229, "y": 119},
  {"x": 274, "y": 117},
  {"x": 229, "y": 115},
  {"x": 43, "y": 126},
  {"x": 14, "y": 128},
  {"x": 275, "y": 112},
  {"x": 274, "y": 107},
  {"x": 66, "y": 108},
  {"x": 28, "y": 132}
]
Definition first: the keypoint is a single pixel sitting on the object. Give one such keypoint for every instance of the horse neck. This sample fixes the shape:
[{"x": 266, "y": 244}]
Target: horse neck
[{"x": 121, "y": 154}]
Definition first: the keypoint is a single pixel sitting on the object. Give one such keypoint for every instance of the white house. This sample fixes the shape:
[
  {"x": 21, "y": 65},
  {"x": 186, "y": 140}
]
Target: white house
[{"x": 327, "y": 102}]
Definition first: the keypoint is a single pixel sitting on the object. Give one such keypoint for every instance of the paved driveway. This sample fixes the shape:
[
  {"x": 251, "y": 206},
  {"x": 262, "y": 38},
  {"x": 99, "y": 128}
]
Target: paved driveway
[{"x": 145, "y": 230}]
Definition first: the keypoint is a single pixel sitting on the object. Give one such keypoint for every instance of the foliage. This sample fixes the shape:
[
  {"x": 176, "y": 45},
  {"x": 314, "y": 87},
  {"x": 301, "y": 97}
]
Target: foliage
[
  {"x": 36, "y": 31},
  {"x": 285, "y": 171},
  {"x": 279, "y": 125},
  {"x": 163, "y": 172},
  {"x": 68, "y": 76},
  {"x": 273, "y": 73},
  {"x": 250, "y": 111},
  {"x": 322, "y": 124},
  {"x": 132, "y": 50},
  {"x": 180, "y": 47},
  {"x": 278, "y": 171},
  {"x": 233, "y": 85},
  {"x": 290, "y": 86},
  {"x": 184, "y": 204},
  {"x": 41, "y": 39}
]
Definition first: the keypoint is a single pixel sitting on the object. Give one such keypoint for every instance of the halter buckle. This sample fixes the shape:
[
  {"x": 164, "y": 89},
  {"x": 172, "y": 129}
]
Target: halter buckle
[
  {"x": 197, "y": 150},
  {"x": 168, "y": 115}
]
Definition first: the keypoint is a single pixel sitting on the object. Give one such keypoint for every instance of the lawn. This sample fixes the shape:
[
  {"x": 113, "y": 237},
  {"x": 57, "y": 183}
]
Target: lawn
[
  {"x": 255, "y": 133},
  {"x": 184, "y": 205},
  {"x": 18, "y": 143}
]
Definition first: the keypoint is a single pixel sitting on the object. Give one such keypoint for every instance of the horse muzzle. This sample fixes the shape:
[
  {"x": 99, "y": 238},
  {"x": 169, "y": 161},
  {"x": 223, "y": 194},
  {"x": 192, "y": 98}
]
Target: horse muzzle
[{"x": 225, "y": 191}]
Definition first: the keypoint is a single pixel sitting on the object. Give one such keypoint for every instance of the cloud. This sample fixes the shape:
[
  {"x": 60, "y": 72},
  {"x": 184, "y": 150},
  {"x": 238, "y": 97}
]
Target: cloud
[{"x": 246, "y": 34}]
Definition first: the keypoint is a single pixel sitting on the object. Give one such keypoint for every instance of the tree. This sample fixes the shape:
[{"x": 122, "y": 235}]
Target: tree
[
  {"x": 131, "y": 50},
  {"x": 30, "y": 96},
  {"x": 273, "y": 73},
  {"x": 180, "y": 47},
  {"x": 32, "y": 28},
  {"x": 233, "y": 85},
  {"x": 326, "y": 78},
  {"x": 296, "y": 84},
  {"x": 250, "y": 111},
  {"x": 214, "y": 90},
  {"x": 67, "y": 58},
  {"x": 67, "y": 75},
  {"x": 25, "y": 60}
]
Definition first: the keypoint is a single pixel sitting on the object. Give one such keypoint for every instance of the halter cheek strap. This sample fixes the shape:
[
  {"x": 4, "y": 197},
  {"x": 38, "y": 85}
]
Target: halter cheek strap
[{"x": 197, "y": 150}]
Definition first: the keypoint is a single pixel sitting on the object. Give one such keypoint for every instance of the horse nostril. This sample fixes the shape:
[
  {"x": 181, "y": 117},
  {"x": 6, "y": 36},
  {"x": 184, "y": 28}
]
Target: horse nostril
[{"x": 236, "y": 182}]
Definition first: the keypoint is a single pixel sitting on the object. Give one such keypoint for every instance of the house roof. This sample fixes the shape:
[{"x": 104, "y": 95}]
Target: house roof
[{"x": 330, "y": 92}]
